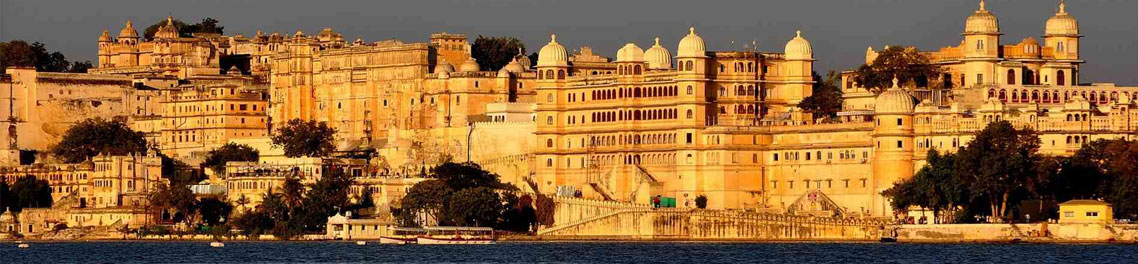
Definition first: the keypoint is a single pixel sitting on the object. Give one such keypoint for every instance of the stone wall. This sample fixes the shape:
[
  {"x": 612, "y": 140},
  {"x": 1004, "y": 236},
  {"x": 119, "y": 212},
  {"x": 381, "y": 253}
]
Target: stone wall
[
  {"x": 589, "y": 219},
  {"x": 1009, "y": 232}
]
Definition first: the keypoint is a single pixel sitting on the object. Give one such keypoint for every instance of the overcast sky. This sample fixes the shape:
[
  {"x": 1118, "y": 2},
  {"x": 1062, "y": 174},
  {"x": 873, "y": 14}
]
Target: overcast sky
[{"x": 840, "y": 30}]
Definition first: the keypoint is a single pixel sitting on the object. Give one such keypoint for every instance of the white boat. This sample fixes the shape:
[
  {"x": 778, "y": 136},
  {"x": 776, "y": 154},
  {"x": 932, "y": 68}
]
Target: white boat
[
  {"x": 361, "y": 243},
  {"x": 453, "y": 235},
  {"x": 216, "y": 244},
  {"x": 401, "y": 235},
  {"x": 23, "y": 245}
]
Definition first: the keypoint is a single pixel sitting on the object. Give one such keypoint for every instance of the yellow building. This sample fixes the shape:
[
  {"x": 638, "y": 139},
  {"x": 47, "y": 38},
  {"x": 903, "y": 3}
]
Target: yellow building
[
  {"x": 207, "y": 113},
  {"x": 102, "y": 182},
  {"x": 726, "y": 125},
  {"x": 168, "y": 53},
  {"x": 1086, "y": 212}
]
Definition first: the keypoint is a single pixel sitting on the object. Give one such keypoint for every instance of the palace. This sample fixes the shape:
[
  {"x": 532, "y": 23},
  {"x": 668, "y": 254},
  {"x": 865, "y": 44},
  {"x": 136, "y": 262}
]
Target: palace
[{"x": 726, "y": 125}]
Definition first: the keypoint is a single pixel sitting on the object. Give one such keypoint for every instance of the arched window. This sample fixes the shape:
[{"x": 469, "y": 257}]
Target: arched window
[
  {"x": 690, "y": 90},
  {"x": 637, "y": 71},
  {"x": 1060, "y": 49},
  {"x": 689, "y": 66},
  {"x": 549, "y": 120},
  {"x": 691, "y": 114},
  {"x": 549, "y": 143},
  {"x": 1061, "y": 78},
  {"x": 980, "y": 44},
  {"x": 560, "y": 74},
  {"x": 1003, "y": 96},
  {"x": 1011, "y": 77},
  {"x": 1035, "y": 96},
  {"x": 549, "y": 74},
  {"x": 991, "y": 93}
]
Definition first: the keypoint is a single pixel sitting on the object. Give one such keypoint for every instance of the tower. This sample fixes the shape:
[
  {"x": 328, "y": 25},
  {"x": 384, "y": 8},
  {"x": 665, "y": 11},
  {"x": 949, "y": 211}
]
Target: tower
[
  {"x": 981, "y": 46},
  {"x": 893, "y": 142},
  {"x": 1061, "y": 35},
  {"x": 799, "y": 82},
  {"x": 552, "y": 72}
]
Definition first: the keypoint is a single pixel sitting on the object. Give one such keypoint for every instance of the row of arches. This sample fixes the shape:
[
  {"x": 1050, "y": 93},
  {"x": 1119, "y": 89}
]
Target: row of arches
[
  {"x": 686, "y": 65},
  {"x": 636, "y": 92},
  {"x": 550, "y": 74},
  {"x": 739, "y": 67},
  {"x": 1026, "y": 96},
  {"x": 629, "y": 69},
  {"x": 740, "y": 90},
  {"x": 639, "y": 114}
]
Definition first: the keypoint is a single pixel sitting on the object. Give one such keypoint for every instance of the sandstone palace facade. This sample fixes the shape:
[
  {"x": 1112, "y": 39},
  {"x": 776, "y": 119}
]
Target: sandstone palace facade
[{"x": 677, "y": 123}]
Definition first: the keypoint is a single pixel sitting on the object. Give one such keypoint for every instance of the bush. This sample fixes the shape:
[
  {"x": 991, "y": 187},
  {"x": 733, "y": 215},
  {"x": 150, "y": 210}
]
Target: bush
[{"x": 701, "y": 201}]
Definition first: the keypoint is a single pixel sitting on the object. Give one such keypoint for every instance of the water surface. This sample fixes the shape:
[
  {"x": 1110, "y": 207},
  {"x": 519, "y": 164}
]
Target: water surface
[{"x": 577, "y": 252}]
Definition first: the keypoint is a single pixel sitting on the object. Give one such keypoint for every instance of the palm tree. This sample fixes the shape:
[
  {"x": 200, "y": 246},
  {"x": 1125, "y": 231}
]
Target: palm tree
[
  {"x": 242, "y": 201},
  {"x": 123, "y": 229}
]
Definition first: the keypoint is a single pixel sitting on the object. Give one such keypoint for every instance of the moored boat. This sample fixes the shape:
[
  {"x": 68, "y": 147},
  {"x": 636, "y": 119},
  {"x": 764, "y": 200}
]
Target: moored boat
[
  {"x": 402, "y": 235},
  {"x": 453, "y": 235}
]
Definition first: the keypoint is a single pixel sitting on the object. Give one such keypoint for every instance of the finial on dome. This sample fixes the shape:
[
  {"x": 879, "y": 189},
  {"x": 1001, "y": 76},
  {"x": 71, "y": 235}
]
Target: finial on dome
[
  {"x": 691, "y": 30},
  {"x": 895, "y": 81},
  {"x": 657, "y": 41},
  {"x": 798, "y": 33},
  {"x": 553, "y": 38},
  {"x": 129, "y": 24},
  {"x": 870, "y": 48},
  {"x": 1062, "y": 7},
  {"x": 982, "y": 5},
  {"x": 170, "y": 20}
]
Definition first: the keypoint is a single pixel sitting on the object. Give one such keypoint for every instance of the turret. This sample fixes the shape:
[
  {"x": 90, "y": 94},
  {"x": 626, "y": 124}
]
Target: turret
[
  {"x": 799, "y": 71},
  {"x": 691, "y": 56},
  {"x": 892, "y": 141},
  {"x": 1061, "y": 35}
]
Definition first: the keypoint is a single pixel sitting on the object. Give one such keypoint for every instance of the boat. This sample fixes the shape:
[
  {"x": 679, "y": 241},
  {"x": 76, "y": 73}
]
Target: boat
[
  {"x": 216, "y": 244},
  {"x": 361, "y": 243},
  {"x": 401, "y": 235},
  {"x": 454, "y": 235},
  {"x": 23, "y": 245}
]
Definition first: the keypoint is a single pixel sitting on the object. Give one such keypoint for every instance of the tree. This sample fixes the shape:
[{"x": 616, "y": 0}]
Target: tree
[
  {"x": 933, "y": 187},
  {"x": 478, "y": 206},
  {"x": 7, "y": 199},
  {"x": 20, "y": 53},
  {"x": 998, "y": 164},
  {"x": 327, "y": 196},
  {"x": 305, "y": 138},
  {"x": 217, "y": 158},
  {"x": 1103, "y": 169},
  {"x": 293, "y": 192},
  {"x": 426, "y": 199},
  {"x": 519, "y": 215},
  {"x": 492, "y": 53},
  {"x": 96, "y": 135},
  {"x": 207, "y": 25},
  {"x": 175, "y": 197},
  {"x": 30, "y": 192},
  {"x": 701, "y": 201},
  {"x": 467, "y": 175},
  {"x": 242, "y": 201},
  {"x": 214, "y": 210},
  {"x": 908, "y": 65},
  {"x": 826, "y": 99}
]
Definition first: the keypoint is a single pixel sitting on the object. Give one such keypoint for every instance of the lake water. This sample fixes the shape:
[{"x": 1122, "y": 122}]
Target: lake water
[{"x": 575, "y": 252}]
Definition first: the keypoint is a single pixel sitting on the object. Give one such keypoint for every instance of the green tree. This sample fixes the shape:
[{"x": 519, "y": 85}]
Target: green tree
[
  {"x": 826, "y": 100},
  {"x": 459, "y": 176},
  {"x": 20, "y": 53},
  {"x": 424, "y": 199},
  {"x": 934, "y": 186},
  {"x": 207, "y": 25},
  {"x": 217, "y": 158},
  {"x": 178, "y": 198},
  {"x": 242, "y": 201},
  {"x": 492, "y": 53},
  {"x": 909, "y": 66},
  {"x": 701, "y": 201},
  {"x": 96, "y": 135},
  {"x": 292, "y": 192},
  {"x": 305, "y": 138},
  {"x": 213, "y": 211},
  {"x": 999, "y": 163},
  {"x": 6, "y": 197},
  {"x": 30, "y": 192},
  {"x": 1106, "y": 169},
  {"x": 327, "y": 196},
  {"x": 478, "y": 206}
]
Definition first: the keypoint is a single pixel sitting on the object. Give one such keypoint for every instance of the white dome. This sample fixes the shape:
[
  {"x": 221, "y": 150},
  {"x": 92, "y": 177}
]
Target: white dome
[
  {"x": 128, "y": 31},
  {"x": 982, "y": 22},
  {"x": 799, "y": 48},
  {"x": 630, "y": 53},
  {"x": 691, "y": 46},
  {"x": 553, "y": 54},
  {"x": 514, "y": 66},
  {"x": 470, "y": 66},
  {"x": 894, "y": 101},
  {"x": 168, "y": 31},
  {"x": 1062, "y": 24},
  {"x": 444, "y": 67},
  {"x": 658, "y": 57}
]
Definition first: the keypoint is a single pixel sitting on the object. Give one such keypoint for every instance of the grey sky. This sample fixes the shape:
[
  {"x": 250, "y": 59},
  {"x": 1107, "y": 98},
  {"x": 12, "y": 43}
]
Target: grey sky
[{"x": 840, "y": 30}]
